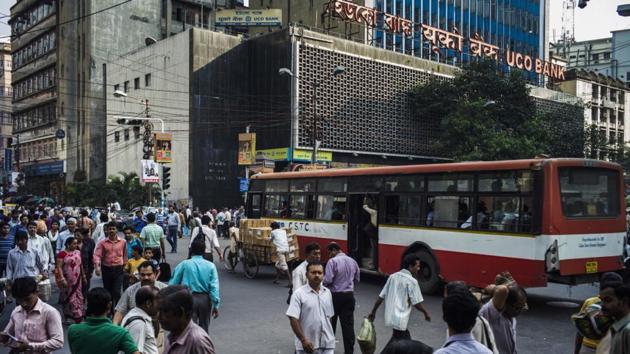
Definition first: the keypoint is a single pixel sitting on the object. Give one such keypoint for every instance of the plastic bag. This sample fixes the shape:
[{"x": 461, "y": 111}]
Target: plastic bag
[
  {"x": 367, "y": 337},
  {"x": 185, "y": 231},
  {"x": 592, "y": 323}
]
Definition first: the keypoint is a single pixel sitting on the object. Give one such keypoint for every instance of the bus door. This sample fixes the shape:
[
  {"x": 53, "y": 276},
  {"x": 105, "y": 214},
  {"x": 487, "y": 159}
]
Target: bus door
[
  {"x": 363, "y": 229},
  {"x": 254, "y": 205}
]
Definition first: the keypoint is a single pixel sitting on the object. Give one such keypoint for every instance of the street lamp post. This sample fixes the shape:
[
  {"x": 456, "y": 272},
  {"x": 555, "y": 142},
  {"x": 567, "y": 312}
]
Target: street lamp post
[{"x": 338, "y": 70}]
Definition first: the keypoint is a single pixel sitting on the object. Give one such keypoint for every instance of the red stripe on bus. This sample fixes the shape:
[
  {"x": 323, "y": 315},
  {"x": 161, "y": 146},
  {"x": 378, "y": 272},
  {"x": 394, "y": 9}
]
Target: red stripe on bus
[{"x": 578, "y": 266}]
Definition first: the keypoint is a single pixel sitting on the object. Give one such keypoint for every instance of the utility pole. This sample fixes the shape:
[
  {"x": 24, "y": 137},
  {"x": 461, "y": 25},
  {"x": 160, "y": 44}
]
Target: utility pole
[{"x": 148, "y": 144}]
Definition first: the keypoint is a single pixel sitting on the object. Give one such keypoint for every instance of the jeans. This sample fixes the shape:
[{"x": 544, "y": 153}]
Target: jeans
[
  {"x": 112, "y": 281},
  {"x": 344, "y": 303},
  {"x": 202, "y": 310},
  {"x": 172, "y": 237}
]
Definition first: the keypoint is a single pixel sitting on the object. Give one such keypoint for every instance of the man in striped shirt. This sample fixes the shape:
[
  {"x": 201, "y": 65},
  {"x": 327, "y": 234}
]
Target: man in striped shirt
[{"x": 400, "y": 293}]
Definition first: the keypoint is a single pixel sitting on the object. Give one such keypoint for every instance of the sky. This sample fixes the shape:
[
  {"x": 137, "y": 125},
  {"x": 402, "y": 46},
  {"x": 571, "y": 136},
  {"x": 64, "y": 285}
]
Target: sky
[{"x": 595, "y": 21}]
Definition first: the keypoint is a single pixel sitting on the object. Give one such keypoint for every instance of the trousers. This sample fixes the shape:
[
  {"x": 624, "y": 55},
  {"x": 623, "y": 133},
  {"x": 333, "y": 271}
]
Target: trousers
[
  {"x": 112, "y": 281},
  {"x": 172, "y": 238},
  {"x": 202, "y": 310},
  {"x": 344, "y": 303}
]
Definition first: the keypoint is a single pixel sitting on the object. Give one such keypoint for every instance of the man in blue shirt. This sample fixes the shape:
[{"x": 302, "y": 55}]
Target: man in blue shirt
[
  {"x": 460, "y": 310},
  {"x": 139, "y": 222},
  {"x": 201, "y": 277}
]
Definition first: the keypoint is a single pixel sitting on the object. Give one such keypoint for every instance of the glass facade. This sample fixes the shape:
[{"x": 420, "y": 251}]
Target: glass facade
[{"x": 515, "y": 25}]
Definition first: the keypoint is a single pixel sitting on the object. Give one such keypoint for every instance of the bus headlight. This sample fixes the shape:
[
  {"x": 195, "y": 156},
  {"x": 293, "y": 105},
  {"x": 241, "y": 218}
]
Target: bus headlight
[{"x": 552, "y": 260}]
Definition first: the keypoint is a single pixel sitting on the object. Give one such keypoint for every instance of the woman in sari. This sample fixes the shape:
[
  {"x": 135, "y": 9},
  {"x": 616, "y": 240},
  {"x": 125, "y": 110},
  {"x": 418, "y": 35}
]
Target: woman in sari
[{"x": 70, "y": 277}]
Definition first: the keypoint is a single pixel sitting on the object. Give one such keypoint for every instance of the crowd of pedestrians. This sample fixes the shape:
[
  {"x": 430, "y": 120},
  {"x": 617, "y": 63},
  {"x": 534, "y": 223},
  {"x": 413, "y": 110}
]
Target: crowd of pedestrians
[{"x": 133, "y": 310}]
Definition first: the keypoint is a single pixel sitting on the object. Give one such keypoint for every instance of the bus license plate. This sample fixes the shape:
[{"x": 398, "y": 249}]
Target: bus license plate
[{"x": 591, "y": 267}]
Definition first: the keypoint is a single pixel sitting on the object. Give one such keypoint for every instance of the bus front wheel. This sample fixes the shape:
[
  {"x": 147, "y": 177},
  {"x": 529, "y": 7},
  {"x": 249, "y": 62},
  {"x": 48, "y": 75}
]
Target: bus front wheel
[{"x": 428, "y": 276}]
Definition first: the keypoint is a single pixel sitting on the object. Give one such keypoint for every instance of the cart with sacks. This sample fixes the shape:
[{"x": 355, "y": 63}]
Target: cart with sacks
[{"x": 253, "y": 247}]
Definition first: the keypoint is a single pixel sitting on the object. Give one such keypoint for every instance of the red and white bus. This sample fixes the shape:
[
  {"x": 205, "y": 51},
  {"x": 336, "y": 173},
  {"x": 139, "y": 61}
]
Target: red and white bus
[{"x": 544, "y": 220}]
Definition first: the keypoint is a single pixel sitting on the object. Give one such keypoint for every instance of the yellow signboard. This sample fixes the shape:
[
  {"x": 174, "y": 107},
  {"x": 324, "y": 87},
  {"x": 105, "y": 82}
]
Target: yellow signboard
[
  {"x": 306, "y": 155},
  {"x": 163, "y": 147},
  {"x": 246, "y": 148},
  {"x": 278, "y": 154},
  {"x": 249, "y": 17}
]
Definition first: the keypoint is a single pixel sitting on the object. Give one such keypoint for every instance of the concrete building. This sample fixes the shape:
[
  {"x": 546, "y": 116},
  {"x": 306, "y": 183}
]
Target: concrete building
[
  {"x": 161, "y": 73},
  {"x": 607, "y": 56},
  {"x": 620, "y": 50},
  {"x": 606, "y": 104},
  {"x": 6, "y": 94},
  {"x": 365, "y": 116}
]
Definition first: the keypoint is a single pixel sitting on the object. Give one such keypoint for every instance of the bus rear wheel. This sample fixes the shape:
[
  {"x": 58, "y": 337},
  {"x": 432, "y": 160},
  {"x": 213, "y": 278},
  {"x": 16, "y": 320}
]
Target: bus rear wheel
[{"x": 428, "y": 276}]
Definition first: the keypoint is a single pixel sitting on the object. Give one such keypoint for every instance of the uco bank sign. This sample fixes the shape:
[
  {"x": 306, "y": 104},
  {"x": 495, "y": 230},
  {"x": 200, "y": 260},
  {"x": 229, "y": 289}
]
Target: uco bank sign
[{"x": 439, "y": 38}]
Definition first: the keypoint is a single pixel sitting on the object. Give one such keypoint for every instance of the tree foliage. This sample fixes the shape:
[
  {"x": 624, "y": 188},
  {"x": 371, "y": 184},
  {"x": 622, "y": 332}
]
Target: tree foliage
[
  {"x": 484, "y": 115},
  {"x": 124, "y": 188}
]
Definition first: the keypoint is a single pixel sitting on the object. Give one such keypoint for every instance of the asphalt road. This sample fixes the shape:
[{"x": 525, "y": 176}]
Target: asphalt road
[{"x": 252, "y": 315}]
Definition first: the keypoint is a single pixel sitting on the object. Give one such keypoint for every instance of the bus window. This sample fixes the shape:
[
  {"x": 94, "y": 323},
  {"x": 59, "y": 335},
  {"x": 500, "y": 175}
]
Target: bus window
[
  {"x": 301, "y": 206},
  {"x": 331, "y": 207},
  {"x": 451, "y": 182},
  {"x": 302, "y": 185},
  {"x": 404, "y": 184},
  {"x": 525, "y": 218},
  {"x": 448, "y": 211},
  {"x": 334, "y": 185},
  {"x": 277, "y": 205},
  {"x": 589, "y": 192},
  {"x": 402, "y": 209},
  {"x": 366, "y": 184},
  {"x": 276, "y": 186},
  {"x": 499, "y": 213},
  {"x": 506, "y": 181},
  {"x": 254, "y": 206},
  {"x": 256, "y": 185}
]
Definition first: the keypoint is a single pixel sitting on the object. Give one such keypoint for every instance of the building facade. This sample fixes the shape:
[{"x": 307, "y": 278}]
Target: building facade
[
  {"x": 6, "y": 94},
  {"x": 160, "y": 73},
  {"x": 606, "y": 102},
  {"x": 607, "y": 56},
  {"x": 511, "y": 25}
]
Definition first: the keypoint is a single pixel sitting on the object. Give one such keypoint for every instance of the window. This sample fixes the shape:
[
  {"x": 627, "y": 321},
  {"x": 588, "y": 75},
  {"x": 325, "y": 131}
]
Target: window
[
  {"x": 136, "y": 83},
  {"x": 301, "y": 206},
  {"x": 589, "y": 192},
  {"x": 304, "y": 186},
  {"x": 403, "y": 209},
  {"x": 126, "y": 134},
  {"x": 330, "y": 207},
  {"x": 276, "y": 205},
  {"x": 116, "y": 87},
  {"x": 404, "y": 184},
  {"x": 136, "y": 133},
  {"x": 506, "y": 181},
  {"x": 332, "y": 185},
  {"x": 450, "y": 183},
  {"x": 277, "y": 186},
  {"x": 366, "y": 184},
  {"x": 447, "y": 211},
  {"x": 147, "y": 80},
  {"x": 607, "y": 56},
  {"x": 126, "y": 86},
  {"x": 116, "y": 136},
  {"x": 256, "y": 185},
  {"x": 595, "y": 58}
]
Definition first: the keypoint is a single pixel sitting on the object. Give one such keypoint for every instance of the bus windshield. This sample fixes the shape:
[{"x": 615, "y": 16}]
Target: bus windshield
[{"x": 588, "y": 192}]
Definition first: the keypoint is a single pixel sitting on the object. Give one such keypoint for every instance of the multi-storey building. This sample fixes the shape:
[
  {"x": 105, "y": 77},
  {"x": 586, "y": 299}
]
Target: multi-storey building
[
  {"x": 606, "y": 105},
  {"x": 6, "y": 127},
  {"x": 39, "y": 154},
  {"x": 607, "y": 56},
  {"x": 515, "y": 25}
]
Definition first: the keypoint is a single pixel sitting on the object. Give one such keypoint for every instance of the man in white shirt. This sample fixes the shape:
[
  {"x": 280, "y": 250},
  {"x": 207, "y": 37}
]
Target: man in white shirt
[
  {"x": 400, "y": 293},
  {"x": 220, "y": 219},
  {"x": 138, "y": 321},
  {"x": 63, "y": 235},
  {"x": 313, "y": 254},
  {"x": 99, "y": 234},
  {"x": 309, "y": 314},
  {"x": 280, "y": 240},
  {"x": 42, "y": 246},
  {"x": 210, "y": 237}
]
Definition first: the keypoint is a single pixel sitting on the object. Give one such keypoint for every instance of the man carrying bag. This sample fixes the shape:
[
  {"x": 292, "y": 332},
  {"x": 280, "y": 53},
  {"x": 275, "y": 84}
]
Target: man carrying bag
[{"x": 210, "y": 239}]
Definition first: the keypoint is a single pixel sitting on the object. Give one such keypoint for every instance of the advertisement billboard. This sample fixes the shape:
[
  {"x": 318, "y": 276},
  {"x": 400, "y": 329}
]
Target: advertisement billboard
[
  {"x": 163, "y": 147},
  {"x": 150, "y": 171},
  {"x": 246, "y": 148}
]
